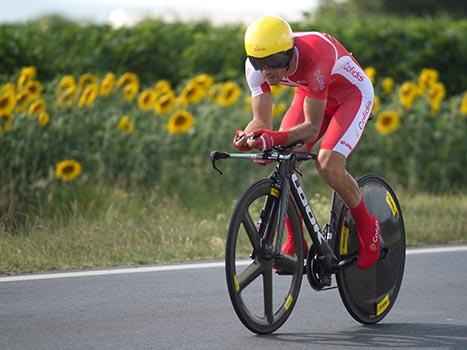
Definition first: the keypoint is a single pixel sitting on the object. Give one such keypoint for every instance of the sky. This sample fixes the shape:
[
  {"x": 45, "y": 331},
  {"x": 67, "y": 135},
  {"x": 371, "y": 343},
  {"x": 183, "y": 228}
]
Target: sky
[{"x": 127, "y": 12}]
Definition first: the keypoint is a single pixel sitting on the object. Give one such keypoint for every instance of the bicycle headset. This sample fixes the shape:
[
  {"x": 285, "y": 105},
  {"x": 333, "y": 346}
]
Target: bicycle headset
[{"x": 269, "y": 42}]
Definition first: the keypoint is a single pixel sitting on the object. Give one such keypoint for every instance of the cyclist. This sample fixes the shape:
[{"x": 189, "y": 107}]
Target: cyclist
[{"x": 333, "y": 100}]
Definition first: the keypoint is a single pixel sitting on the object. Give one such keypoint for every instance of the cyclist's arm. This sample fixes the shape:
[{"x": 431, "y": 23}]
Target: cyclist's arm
[
  {"x": 261, "y": 100},
  {"x": 307, "y": 131},
  {"x": 262, "y": 113}
]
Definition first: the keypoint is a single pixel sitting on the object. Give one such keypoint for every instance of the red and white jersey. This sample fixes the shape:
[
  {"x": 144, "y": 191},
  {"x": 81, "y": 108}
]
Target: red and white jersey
[{"x": 325, "y": 69}]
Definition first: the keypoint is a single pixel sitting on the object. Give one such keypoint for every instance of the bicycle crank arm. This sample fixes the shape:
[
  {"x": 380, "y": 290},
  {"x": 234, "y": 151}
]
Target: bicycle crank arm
[{"x": 347, "y": 262}]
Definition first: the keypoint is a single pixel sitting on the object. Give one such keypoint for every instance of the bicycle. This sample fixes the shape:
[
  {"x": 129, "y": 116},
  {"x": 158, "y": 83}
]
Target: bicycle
[{"x": 256, "y": 233}]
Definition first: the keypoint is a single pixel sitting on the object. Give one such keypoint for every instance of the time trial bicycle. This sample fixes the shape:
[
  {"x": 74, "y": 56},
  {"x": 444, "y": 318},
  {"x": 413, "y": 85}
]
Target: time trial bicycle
[{"x": 264, "y": 283}]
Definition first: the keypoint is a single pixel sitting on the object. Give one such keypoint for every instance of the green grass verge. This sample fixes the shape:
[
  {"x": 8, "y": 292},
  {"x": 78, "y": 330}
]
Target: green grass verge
[{"x": 110, "y": 227}]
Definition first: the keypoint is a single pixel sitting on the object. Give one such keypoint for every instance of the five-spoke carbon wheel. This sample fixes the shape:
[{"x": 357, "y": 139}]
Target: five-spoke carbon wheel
[{"x": 262, "y": 299}]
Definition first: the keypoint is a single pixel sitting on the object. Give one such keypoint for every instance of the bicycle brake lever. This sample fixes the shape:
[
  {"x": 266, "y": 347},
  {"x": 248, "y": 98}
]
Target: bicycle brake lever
[
  {"x": 215, "y": 167},
  {"x": 216, "y": 155}
]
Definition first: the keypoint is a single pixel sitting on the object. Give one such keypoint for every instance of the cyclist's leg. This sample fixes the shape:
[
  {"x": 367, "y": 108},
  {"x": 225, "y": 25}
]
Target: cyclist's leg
[
  {"x": 295, "y": 116},
  {"x": 341, "y": 137}
]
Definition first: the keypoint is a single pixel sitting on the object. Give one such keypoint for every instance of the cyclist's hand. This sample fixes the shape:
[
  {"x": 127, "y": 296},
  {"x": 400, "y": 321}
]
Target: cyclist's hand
[
  {"x": 240, "y": 141},
  {"x": 266, "y": 139}
]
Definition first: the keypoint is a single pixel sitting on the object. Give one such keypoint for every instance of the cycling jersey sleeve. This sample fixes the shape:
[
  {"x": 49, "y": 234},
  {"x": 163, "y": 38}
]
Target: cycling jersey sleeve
[
  {"x": 255, "y": 80},
  {"x": 319, "y": 78}
]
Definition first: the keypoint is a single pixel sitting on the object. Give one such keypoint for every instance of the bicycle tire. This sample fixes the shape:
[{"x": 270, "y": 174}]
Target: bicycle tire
[
  {"x": 369, "y": 295},
  {"x": 271, "y": 319}
]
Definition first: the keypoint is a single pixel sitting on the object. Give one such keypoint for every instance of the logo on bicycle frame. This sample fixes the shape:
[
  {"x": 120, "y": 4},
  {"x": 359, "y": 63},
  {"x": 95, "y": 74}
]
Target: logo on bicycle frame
[{"x": 308, "y": 210}]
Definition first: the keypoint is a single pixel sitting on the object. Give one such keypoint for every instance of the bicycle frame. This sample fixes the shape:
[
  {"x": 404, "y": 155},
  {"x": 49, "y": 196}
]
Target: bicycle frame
[{"x": 287, "y": 174}]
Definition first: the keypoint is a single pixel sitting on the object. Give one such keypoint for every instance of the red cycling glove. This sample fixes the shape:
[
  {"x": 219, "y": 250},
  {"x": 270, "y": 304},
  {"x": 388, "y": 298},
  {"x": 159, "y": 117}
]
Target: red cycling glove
[{"x": 267, "y": 139}]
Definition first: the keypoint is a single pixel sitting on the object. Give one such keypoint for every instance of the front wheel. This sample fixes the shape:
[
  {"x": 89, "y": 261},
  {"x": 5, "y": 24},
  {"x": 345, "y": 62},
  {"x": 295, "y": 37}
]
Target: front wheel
[
  {"x": 262, "y": 299},
  {"x": 369, "y": 295}
]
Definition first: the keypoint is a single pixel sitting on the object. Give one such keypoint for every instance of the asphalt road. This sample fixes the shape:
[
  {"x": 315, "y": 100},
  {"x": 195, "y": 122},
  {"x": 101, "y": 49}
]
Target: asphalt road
[{"x": 190, "y": 309}]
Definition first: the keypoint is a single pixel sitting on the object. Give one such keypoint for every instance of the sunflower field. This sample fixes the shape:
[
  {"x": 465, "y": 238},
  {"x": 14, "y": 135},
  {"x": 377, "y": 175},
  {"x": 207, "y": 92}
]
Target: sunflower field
[
  {"x": 112, "y": 130},
  {"x": 89, "y": 106}
]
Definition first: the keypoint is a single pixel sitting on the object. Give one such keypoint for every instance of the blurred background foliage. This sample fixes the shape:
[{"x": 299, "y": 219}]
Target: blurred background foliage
[{"x": 154, "y": 49}]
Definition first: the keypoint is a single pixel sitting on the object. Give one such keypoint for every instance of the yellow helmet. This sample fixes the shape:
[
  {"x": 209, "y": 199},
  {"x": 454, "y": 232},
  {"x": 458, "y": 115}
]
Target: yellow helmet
[{"x": 268, "y": 35}]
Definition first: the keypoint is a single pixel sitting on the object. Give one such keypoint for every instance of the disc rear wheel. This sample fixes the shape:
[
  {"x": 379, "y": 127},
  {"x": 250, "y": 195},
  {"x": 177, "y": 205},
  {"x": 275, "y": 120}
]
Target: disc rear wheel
[{"x": 370, "y": 294}]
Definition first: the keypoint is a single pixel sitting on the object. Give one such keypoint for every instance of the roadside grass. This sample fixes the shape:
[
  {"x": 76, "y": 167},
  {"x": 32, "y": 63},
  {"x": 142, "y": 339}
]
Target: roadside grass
[
  {"x": 432, "y": 220},
  {"x": 106, "y": 227}
]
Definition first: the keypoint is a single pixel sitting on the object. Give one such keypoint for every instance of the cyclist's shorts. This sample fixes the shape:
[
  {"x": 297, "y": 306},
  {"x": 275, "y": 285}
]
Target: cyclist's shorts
[{"x": 343, "y": 122}]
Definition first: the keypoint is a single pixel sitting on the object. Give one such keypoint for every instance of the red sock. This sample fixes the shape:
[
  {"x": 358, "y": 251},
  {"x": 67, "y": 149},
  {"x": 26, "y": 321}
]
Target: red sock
[
  {"x": 368, "y": 232},
  {"x": 289, "y": 247}
]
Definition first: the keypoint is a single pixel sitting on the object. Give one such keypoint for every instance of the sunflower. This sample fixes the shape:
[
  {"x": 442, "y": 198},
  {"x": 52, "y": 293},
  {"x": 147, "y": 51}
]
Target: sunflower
[
  {"x": 86, "y": 80},
  {"x": 125, "y": 124},
  {"x": 407, "y": 94},
  {"x": 67, "y": 170},
  {"x": 436, "y": 92},
  {"x": 8, "y": 87},
  {"x": 376, "y": 104},
  {"x": 34, "y": 88},
  {"x": 387, "y": 122},
  {"x": 107, "y": 84},
  {"x": 204, "y": 80},
  {"x": 278, "y": 109},
  {"x": 147, "y": 99},
  {"x": 37, "y": 107},
  {"x": 43, "y": 119},
  {"x": 22, "y": 101},
  {"x": 67, "y": 97},
  {"x": 229, "y": 94},
  {"x": 6, "y": 121},
  {"x": 88, "y": 96},
  {"x": 388, "y": 85},
  {"x": 65, "y": 83},
  {"x": 130, "y": 91},
  {"x": 180, "y": 122},
  {"x": 27, "y": 74},
  {"x": 165, "y": 103},
  {"x": 163, "y": 86},
  {"x": 126, "y": 79},
  {"x": 371, "y": 73},
  {"x": 192, "y": 93},
  {"x": 463, "y": 109},
  {"x": 7, "y": 102},
  {"x": 427, "y": 78}
]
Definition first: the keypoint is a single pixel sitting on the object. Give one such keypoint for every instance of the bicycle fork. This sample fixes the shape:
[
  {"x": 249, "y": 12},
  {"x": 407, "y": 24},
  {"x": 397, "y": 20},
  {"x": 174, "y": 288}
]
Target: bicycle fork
[{"x": 276, "y": 204}]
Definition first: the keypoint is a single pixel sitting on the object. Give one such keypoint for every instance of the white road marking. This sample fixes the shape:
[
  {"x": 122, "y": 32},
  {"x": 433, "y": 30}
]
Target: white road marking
[
  {"x": 46, "y": 276},
  {"x": 436, "y": 250}
]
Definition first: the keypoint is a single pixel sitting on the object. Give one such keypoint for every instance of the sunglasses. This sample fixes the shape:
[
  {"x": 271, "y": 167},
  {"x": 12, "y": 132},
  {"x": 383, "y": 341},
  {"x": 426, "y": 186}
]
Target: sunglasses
[{"x": 275, "y": 61}]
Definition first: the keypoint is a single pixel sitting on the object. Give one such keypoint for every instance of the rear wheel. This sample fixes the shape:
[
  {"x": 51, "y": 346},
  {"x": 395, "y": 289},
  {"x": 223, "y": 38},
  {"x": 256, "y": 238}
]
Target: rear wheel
[
  {"x": 369, "y": 295},
  {"x": 262, "y": 299}
]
